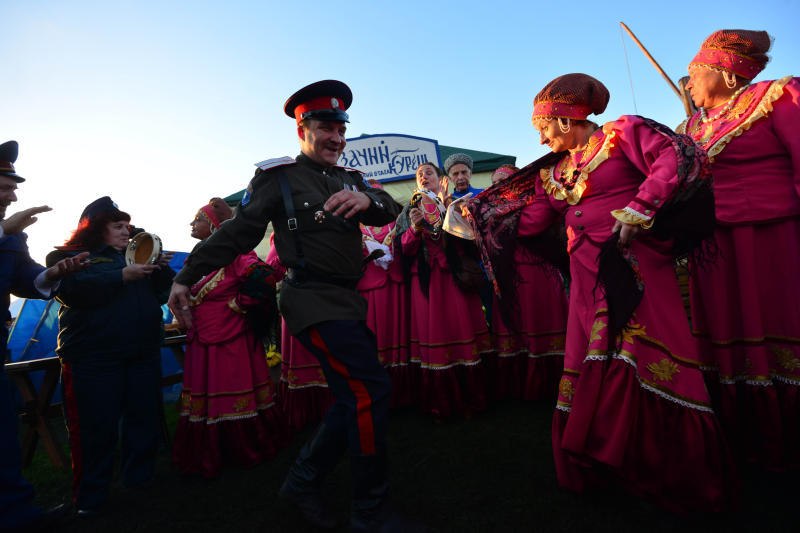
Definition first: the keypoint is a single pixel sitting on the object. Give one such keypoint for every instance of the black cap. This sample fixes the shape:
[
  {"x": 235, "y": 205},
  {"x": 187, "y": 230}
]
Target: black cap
[
  {"x": 98, "y": 207},
  {"x": 323, "y": 100},
  {"x": 8, "y": 155}
]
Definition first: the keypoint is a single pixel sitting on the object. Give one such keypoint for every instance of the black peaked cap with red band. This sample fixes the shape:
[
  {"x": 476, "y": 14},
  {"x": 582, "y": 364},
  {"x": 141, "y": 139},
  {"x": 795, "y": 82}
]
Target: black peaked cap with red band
[
  {"x": 323, "y": 100},
  {"x": 8, "y": 155}
]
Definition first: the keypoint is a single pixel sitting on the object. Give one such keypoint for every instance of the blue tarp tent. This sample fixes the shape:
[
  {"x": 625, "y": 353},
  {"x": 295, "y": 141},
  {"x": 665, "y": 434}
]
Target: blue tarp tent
[{"x": 35, "y": 330}]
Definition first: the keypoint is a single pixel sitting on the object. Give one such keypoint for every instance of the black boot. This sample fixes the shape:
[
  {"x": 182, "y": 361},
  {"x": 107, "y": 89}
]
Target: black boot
[{"x": 302, "y": 484}]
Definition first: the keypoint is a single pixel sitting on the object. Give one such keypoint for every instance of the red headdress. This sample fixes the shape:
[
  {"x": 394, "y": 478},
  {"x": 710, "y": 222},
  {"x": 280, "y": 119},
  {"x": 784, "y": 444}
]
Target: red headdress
[
  {"x": 573, "y": 96},
  {"x": 741, "y": 52},
  {"x": 217, "y": 212}
]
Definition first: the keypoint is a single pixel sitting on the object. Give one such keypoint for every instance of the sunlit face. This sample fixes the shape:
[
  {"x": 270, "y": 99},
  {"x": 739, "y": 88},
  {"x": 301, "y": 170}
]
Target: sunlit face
[
  {"x": 323, "y": 140},
  {"x": 459, "y": 176},
  {"x": 707, "y": 87},
  {"x": 551, "y": 135},
  {"x": 427, "y": 178},
  {"x": 201, "y": 227},
  {"x": 7, "y": 194},
  {"x": 117, "y": 234}
]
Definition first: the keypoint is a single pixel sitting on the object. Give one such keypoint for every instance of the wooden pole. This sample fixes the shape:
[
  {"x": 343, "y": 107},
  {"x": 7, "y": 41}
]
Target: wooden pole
[{"x": 674, "y": 87}]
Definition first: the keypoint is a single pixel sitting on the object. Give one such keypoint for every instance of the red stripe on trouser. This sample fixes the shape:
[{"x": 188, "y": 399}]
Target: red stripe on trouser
[
  {"x": 73, "y": 425},
  {"x": 366, "y": 433}
]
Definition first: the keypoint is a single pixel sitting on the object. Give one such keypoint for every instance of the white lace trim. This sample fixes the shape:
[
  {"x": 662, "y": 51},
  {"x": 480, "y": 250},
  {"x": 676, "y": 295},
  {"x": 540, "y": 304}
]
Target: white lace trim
[
  {"x": 564, "y": 408},
  {"x": 650, "y": 388},
  {"x": 545, "y": 354},
  {"x": 452, "y": 365},
  {"x": 786, "y": 379},
  {"x": 636, "y": 213},
  {"x": 759, "y": 382}
]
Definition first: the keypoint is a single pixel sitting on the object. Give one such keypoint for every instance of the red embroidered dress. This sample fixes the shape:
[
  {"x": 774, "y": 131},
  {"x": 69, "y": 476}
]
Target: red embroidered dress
[
  {"x": 303, "y": 393},
  {"x": 227, "y": 409},
  {"x": 745, "y": 307},
  {"x": 388, "y": 310},
  {"x": 448, "y": 331},
  {"x": 642, "y": 415}
]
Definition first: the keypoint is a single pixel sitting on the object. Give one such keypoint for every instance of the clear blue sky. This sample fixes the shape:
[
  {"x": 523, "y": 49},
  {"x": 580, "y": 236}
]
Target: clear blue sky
[{"x": 162, "y": 105}]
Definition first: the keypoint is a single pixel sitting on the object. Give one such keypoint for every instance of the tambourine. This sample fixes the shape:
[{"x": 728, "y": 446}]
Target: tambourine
[
  {"x": 456, "y": 222},
  {"x": 143, "y": 249}
]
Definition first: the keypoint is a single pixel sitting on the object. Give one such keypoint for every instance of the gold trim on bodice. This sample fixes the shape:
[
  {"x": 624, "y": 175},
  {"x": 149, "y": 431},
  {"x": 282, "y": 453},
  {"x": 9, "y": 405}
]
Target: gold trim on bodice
[
  {"x": 716, "y": 135},
  {"x": 207, "y": 287},
  {"x": 597, "y": 149}
]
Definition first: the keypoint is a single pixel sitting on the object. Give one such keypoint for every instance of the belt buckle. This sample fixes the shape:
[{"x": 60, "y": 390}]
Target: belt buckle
[{"x": 292, "y": 223}]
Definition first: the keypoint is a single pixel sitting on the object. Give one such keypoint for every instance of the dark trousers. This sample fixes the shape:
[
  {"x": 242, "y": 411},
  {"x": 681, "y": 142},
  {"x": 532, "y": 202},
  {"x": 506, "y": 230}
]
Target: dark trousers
[
  {"x": 16, "y": 494},
  {"x": 103, "y": 396},
  {"x": 357, "y": 421}
]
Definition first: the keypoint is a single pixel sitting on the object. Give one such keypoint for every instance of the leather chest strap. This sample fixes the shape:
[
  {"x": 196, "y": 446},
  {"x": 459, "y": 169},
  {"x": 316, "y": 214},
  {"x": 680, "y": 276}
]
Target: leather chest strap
[{"x": 291, "y": 219}]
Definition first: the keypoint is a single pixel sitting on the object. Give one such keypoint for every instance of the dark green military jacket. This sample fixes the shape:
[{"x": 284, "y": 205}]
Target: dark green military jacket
[{"x": 331, "y": 245}]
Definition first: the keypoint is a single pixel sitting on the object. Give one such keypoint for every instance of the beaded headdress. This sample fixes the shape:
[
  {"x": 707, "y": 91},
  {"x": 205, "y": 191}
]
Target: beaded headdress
[
  {"x": 740, "y": 52},
  {"x": 573, "y": 96}
]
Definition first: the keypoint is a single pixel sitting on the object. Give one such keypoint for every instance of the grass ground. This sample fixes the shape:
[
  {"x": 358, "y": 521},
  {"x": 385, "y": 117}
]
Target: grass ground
[{"x": 493, "y": 472}]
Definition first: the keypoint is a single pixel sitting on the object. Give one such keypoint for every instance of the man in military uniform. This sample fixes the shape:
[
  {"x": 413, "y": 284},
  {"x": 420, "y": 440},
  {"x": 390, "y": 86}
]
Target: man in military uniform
[
  {"x": 315, "y": 207},
  {"x": 22, "y": 276}
]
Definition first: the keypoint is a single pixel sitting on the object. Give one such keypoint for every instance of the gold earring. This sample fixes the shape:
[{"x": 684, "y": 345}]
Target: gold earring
[
  {"x": 564, "y": 127},
  {"x": 730, "y": 79}
]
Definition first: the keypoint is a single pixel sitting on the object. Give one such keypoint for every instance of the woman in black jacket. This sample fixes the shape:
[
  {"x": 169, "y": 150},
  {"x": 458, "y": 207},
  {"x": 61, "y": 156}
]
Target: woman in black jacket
[{"x": 111, "y": 330}]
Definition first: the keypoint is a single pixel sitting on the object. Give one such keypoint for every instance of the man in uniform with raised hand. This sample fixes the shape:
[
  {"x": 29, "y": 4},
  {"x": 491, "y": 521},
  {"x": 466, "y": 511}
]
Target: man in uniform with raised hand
[{"x": 315, "y": 207}]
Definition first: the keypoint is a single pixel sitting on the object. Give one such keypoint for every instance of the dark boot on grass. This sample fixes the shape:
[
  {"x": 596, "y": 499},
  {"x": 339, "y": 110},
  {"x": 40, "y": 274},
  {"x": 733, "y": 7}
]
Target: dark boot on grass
[{"x": 302, "y": 485}]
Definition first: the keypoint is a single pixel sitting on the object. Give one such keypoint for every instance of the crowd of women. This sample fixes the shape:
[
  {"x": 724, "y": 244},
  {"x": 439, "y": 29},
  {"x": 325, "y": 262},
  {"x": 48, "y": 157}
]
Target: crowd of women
[{"x": 563, "y": 290}]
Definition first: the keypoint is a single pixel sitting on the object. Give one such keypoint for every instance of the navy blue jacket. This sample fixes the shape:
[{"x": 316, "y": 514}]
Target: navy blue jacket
[
  {"x": 101, "y": 315},
  {"x": 17, "y": 273}
]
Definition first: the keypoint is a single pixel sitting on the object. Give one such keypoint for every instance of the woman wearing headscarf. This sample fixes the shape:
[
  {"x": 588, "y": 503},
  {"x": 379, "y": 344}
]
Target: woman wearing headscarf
[
  {"x": 388, "y": 306},
  {"x": 632, "y": 404},
  {"x": 744, "y": 306},
  {"x": 529, "y": 326},
  {"x": 448, "y": 327},
  {"x": 227, "y": 408},
  {"x": 109, "y": 342}
]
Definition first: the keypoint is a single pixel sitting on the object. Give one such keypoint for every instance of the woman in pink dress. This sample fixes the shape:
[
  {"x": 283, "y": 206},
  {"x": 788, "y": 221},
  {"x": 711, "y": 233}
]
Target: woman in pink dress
[
  {"x": 745, "y": 306},
  {"x": 303, "y": 393},
  {"x": 388, "y": 307},
  {"x": 529, "y": 333},
  {"x": 632, "y": 405},
  {"x": 227, "y": 409},
  {"x": 448, "y": 328}
]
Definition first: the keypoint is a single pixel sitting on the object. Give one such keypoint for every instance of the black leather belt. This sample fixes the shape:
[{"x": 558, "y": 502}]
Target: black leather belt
[{"x": 296, "y": 277}]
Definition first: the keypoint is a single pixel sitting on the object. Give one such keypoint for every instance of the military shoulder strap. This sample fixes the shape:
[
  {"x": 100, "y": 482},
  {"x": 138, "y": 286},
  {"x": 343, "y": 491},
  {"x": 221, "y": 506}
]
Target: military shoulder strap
[{"x": 291, "y": 219}]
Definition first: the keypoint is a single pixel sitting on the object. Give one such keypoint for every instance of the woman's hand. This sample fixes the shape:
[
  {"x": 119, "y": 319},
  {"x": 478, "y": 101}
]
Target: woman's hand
[
  {"x": 67, "y": 267},
  {"x": 415, "y": 215},
  {"x": 137, "y": 272},
  {"x": 165, "y": 258},
  {"x": 627, "y": 232}
]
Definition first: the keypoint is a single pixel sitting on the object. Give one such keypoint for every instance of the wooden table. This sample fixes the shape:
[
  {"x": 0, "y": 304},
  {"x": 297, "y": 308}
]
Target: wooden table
[{"x": 38, "y": 413}]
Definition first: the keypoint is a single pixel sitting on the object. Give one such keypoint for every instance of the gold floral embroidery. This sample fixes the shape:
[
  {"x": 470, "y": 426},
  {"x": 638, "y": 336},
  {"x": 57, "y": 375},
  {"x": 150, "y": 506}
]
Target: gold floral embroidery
[
  {"x": 558, "y": 343},
  {"x": 241, "y": 404},
  {"x": 634, "y": 330},
  {"x": 786, "y": 358},
  {"x": 198, "y": 405},
  {"x": 565, "y": 388},
  {"x": 207, "y": 287},
  {"x": 573, "y": 196},
  {"x": 597, "y": 327},
  {"x": 291, "y": 377},
  {"x": 262, "y": 395},
  {"x": 742, "y": 103},
  {"x": 760, "y": 110},
  {"x": 663, "y": 370}
]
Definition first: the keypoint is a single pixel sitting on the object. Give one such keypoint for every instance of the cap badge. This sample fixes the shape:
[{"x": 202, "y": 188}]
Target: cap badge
[{"x": 334, "y": 103}]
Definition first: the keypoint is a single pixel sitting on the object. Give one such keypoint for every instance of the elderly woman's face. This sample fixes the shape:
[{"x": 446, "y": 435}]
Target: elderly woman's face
[
  {"x": 707, "y": 87},
  {"x": 427, "y": 178},
  {"x": 201, "y": 227},
  {"x": 551, "y": 135}
]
